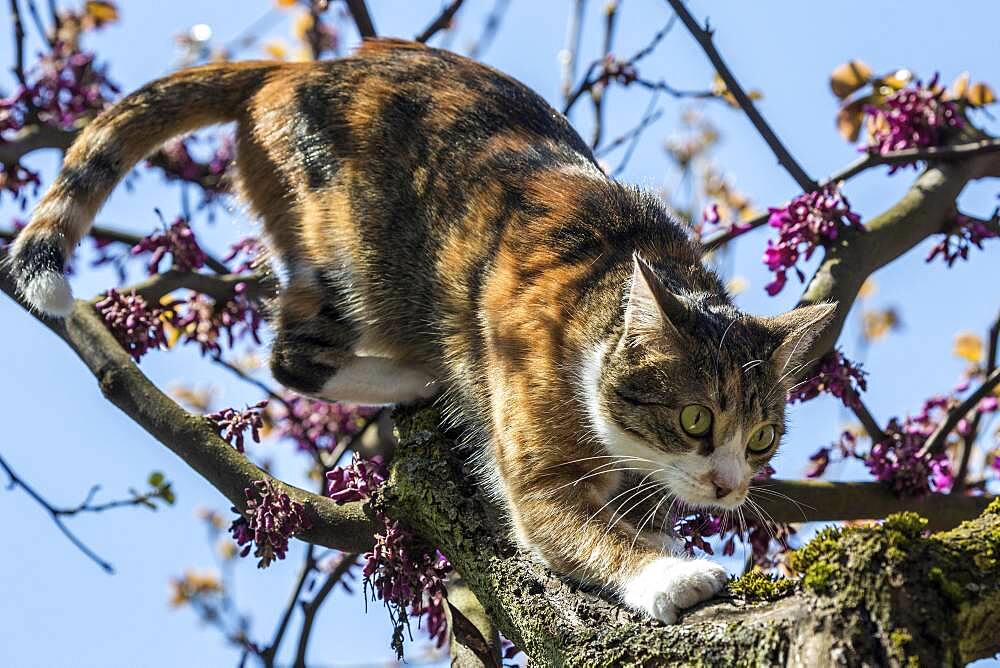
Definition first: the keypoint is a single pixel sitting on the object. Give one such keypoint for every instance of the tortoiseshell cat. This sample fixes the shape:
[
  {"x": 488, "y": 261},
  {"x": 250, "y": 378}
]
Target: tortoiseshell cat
[{"x": 438, "y": 225}]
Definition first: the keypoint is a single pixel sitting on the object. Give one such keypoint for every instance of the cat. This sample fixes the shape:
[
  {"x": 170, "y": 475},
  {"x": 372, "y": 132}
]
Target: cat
[{"x": 441, "y": 232}]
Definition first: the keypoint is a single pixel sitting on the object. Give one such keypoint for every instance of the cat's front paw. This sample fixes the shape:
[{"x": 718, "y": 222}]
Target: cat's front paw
[{"x": 665, "y": 586}]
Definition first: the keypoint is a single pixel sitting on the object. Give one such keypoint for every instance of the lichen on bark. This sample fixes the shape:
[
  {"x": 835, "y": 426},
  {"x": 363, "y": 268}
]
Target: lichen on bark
[{"x": 886, "y": 594}]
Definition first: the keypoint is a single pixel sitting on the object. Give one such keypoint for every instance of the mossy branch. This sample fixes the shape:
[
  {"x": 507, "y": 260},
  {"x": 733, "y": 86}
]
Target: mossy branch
[{"x": 879, "y": 595}]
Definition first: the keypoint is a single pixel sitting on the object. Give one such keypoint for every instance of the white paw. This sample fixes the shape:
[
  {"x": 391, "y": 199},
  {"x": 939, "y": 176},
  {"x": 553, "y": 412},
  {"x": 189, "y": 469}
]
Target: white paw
[{"x": 664, "y": 587}]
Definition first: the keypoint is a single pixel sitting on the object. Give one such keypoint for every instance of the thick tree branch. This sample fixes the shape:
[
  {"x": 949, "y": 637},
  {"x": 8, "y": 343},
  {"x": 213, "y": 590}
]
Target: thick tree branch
[
  {"x": 473, "y": 639},
  {"x": 825, "y": 501},
  {"x": 191, "y": 437},
  {"x": 869, "y": 160},
  {"x": 35, "y": 137},
  {"x": 704, "y": 39},
  {"x": 859, "y": 600},
  {"x": 921, "y": 212}
]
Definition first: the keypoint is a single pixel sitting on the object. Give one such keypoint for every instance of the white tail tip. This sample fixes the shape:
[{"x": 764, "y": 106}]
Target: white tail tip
[{"x": 49, "y": 292}]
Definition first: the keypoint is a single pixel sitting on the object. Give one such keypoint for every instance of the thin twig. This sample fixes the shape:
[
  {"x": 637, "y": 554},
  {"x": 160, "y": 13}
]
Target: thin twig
[
  {"x": 574, "y": 27},
  {"x": 40, "y": 25},
  {"x": 936, "y": 442},
  {"x": 969, "y": 441},
  {"x": 599, "y": 88},
  {"x": 16, "y": 481},
  {"x": 15, "y": 17},
  {"x": 308, "y": 566},
  {"x": 704, "y": 39},
  {"x": 648, "y": 118},
  {"x": 442, "y": 21},
  {"x": 310, "y": 609},
  {"x": 362, "y": 19},
  {"x": 490, "y": 29},
  {"x": 595, "y": 74},
  {"x": 864, "y": 416}
]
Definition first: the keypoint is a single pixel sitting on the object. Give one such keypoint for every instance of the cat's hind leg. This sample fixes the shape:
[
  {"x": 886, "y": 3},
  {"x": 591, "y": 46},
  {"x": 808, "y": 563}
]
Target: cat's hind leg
[{"x": 314, "y": 354}]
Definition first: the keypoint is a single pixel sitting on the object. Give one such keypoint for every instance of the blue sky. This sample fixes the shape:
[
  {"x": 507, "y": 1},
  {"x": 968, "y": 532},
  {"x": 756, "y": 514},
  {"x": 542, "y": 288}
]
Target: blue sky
[{"x": 60, "y": 434}]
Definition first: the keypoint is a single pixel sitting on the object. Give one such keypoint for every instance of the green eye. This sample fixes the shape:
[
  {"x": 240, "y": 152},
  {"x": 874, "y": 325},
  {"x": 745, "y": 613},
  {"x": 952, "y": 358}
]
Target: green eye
[
  {"x": 762, "y": 439},
  {"x": 696, "y": 420}
]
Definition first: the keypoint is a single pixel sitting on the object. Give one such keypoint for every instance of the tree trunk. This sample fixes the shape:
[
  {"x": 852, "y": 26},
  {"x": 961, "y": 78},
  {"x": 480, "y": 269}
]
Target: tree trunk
[{"x": 875, "y": 595}]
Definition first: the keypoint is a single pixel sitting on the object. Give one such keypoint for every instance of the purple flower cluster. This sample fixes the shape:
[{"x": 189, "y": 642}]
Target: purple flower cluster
[
  {"x": 178, "y": 164},
  {"x": 62, "y": 87},
  {"x": 409, "y": 578},
  {"x": 203, "y": 321},
  {"x": 405, "y": 573},
  {"x": 808, "y": 221},
  {"x": 759, "y": 534},
  {"x": 358, "y": 480},
  {"x": 268, "y": 521},
  {"x": 835, "y": 374},
  {"x": 894, "y": 460},
  {"x": 249, "y": 249},
  {"x": 177, "y": 239},
  {"x": 16, "y": 178},
  {"x": 961, "y": 234},
  {"x": 844, "y": 448},
  {"x": 137, "y": 327},
  {"x": 319, "y": 425},
  {"x": 231, "y": 423},
  {"x": 913, "y": 117}
]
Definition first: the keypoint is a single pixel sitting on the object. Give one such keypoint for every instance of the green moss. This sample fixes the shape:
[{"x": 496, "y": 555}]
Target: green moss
[
  {"x": 949, "y": 588},
  {"x": 899, "y": 639},
  {"x": 756, "y": 585},
  {"x": 993, "y": 508},
  {"x": 909, "y": 524}
]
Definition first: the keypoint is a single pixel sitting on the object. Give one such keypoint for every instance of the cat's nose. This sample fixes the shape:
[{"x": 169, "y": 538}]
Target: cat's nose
[{"x": 722, "y": 490}]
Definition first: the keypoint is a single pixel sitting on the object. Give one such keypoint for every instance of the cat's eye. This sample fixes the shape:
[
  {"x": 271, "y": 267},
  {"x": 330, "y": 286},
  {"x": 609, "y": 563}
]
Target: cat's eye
[
  {"x": 762, "y": 439},
  {"x": 696, "y": 420}
]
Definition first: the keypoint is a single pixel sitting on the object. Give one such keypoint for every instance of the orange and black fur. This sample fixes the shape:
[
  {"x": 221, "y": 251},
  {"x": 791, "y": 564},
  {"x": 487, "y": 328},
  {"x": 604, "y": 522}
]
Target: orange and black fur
[{"x": 440, "y": 229}]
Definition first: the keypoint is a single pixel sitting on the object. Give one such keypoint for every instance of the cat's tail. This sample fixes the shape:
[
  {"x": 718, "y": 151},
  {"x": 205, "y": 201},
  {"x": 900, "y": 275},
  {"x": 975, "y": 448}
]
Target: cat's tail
[{"x": 105, "y": 151}]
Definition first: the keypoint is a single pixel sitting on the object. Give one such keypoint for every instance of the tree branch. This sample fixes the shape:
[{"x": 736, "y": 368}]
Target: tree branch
[
  {"x": 825, "y": 501},
  {"x": 192, "y": 438},
  {"x": 473, "y": 639},
  {"x": 310, "y": 609},
  {"x": 442, "y": 21},
  {"x": 969, "y": 441},
  {"x": 868, "y": 161},
  {"x": 704, "y": 39},
  {"x": 490, "y": 28},
  {"x": 35, "y": 137},
  {"x": 872, "y": 590},
  {"x": 362, "y": 19},
  {"x": 55, "y": 514},
  {"x": 219, "y": 287},
  {"x": 936, "y": 442},
  {"x": 848, "y": 262},
  {"x": 308, "y": 566},
  {"x": 15, "y": 18}
]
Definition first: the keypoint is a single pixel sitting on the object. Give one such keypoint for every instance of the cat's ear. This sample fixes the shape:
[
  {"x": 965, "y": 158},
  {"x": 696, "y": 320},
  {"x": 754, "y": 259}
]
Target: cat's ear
[
  {"x": 798, "y": 329},
  {"x": 651, "y": 308}
]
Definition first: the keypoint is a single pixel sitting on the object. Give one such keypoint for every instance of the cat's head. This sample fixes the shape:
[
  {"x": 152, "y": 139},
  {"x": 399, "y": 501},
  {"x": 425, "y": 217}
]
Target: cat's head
[{"x": 691, "y": 394}]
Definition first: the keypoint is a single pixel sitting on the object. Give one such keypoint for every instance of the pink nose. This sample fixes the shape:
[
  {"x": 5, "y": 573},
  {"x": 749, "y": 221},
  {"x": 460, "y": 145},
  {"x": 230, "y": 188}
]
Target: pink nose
[{"x": 722, "y": 489}]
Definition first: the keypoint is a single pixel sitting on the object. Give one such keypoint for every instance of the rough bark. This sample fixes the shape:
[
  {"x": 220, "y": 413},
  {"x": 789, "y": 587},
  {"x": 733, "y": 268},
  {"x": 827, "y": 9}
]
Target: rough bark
[{"x": 880, "y": 595}]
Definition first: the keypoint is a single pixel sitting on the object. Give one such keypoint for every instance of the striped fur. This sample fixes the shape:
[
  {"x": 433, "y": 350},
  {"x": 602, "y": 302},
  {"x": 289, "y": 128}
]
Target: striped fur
[{"x": 441, "y": 227}]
